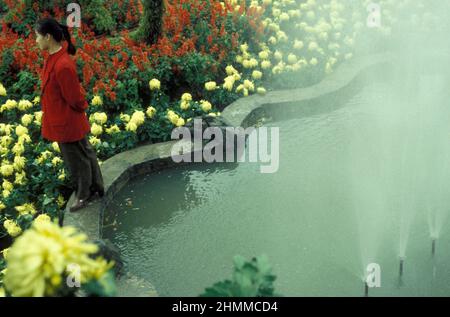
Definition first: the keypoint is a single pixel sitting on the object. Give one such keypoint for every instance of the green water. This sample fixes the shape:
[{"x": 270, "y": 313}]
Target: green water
[{"x": 360, "y": 184}]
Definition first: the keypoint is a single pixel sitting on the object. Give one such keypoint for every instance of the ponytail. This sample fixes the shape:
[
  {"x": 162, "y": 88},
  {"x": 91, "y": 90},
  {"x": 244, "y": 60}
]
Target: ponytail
[{"x": 70, "y": 48}]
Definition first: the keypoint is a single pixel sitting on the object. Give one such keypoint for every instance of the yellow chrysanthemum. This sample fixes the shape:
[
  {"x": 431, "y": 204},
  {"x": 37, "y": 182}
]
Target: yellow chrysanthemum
[
  {"x": 21, "y": 130},
  {"x": 36, "y": 100},
  {"x": 138, "y": 118},
  {"x": 24, "y": 105},
  {"x": 186, "y": 97},
  {"x": 2, "y": 90},
  {"x": 257, "y": 74},
  {"x": 42, "y": 218},
  {"x": 100, "y": 117},
  {"x": 7, "y": 170},
  {"x": 42, "y": 255},
  {"x": 55, "y": 147},
  {"x": 154, "y": 84},
  {"x": 12, "y": 228},
  {"x": 26, "y": 209},
  {"x": 97, "y": 101},
  {"x": 26, "y": 119},
  {"x": 210, "y": 85},
  {"x": 96, "y": 129},
  {"x": 113, "y": 129},
  {"x": 184, "y": 105},
  {"x": 205, "y": 105},
  {"x": 131, "y": 126},
  {"x": 150, "y": 112}
]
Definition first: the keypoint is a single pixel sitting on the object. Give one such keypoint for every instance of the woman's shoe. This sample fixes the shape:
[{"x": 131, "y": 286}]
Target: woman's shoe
[{"x": 78, "y": 204}]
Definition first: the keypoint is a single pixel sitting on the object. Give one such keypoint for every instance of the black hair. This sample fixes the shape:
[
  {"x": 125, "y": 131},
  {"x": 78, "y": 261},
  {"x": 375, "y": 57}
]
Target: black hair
[{"x": 58, "y": 31}]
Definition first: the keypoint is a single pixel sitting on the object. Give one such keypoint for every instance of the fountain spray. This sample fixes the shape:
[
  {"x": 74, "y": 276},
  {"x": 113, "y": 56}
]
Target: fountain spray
[
  {"x": 433, "y": 246},
  {"x": 402, "y": 261}
]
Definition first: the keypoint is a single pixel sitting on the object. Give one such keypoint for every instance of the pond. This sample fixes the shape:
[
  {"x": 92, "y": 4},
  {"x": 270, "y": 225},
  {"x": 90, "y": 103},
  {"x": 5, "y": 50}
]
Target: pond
[{"x": 366, "y": 182}]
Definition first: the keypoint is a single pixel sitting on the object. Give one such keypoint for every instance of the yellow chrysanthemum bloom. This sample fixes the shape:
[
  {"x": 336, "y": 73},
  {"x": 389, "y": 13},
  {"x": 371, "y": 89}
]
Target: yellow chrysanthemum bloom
[
  {"x": 21, "y": 130},
  {"x": 263, "y": 55},
  {"x": 26, "y": 119},
  {"x": 19, "y": 163},
  {"x": 154, "y": 84},
  {"x": 210, "y": 85},
  {"x": 131, "y": 126},
  {"x": 261, "y": 90},
  {"x": 10, "y": 104},
  {"x": 244, "y": 47},
  {"x": 257, "y": 74},
  {"x": 42, "y": 218},
  {"x": 278, "y": 55},
  {"x": 186, "y": 97},
  {"x": 94, "y": 141},
  {"x": 62, "y": 175},
  {"x": 55, "y": 147},
  {"x": 24, "y": 138},
  {"x": 265, "y": 64},
  {"x": 96, "y": 129},
  {"x": 97, "y": 101},
  {"x": 2, "y": 90},
  {"x": 42, "y": 255},
  {"x": 7, "y": 170},
  {"x": 2, "y": 206},
  {"x": 100, "y": 117},
  {"x": 124, "y": 117},
  {"x": 138, "y": 118},
  {"x": 26, "y": 209},
  {"x": 18, "y": 148},
  {"x": 20, "y": 178},
  {"x": 184, "y": 105},
  {"x": 38, "y": 117},
  {"x": 230, "y": 70},
  {"x": 249, "y": 85},
  {"x": 180, "y": 122},
  {"x": 24, "y": 105},
  {"x": 150, "y": 111},
  {"x": 172, "y": 116},
  {"x": 12, "y": 228},
  {"x": 113, "y": 129},
  {"x": 60, "y": 201},
  {"x": 56, "y": 160},
  {"x": 6, "y": 140},
  {"x": 205, "y": 105},
  {"x": 5, "y": 253},
  {"x": 7, "y": 185},
  {"x": 228, "y": 83},
  {"x": 36, "y": 100}
]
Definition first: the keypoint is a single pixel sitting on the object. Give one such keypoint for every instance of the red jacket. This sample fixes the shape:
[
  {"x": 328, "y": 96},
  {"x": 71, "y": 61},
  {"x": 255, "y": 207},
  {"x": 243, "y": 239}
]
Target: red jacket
[{"x": 63, "y": 100}]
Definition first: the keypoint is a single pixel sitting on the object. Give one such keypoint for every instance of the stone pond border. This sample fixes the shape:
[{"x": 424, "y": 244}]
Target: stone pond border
[{"x": 122, "y": 167}]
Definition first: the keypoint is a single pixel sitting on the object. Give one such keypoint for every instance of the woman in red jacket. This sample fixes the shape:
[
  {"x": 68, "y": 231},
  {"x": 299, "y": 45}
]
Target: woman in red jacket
[{"x": 63, "y": 105}]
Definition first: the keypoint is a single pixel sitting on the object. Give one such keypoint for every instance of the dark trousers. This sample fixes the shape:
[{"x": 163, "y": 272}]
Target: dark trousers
[{"x": 80, "y": 159}]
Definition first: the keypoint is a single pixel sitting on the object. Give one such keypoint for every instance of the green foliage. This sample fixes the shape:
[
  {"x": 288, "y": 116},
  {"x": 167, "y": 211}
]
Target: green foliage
[
  {"x": 96, "y": 11},
  {"x": 7, "y": 59},
  {"x": 103, "y": 287},
  {"x": 250, "y": 279},
  {"x": 151, "y": 22},
  {"x": 24, "y": 85}
]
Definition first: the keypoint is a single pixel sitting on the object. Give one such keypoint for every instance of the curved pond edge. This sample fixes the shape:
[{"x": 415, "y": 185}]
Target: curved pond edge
[{"x": 122, "y": 167}]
